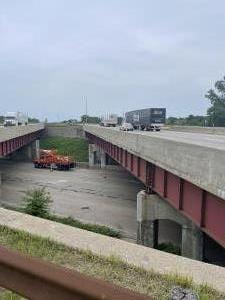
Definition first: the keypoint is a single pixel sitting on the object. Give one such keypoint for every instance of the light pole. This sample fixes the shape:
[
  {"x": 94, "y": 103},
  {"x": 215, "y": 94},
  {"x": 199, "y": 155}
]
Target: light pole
[{"x": 86, "y": 108}]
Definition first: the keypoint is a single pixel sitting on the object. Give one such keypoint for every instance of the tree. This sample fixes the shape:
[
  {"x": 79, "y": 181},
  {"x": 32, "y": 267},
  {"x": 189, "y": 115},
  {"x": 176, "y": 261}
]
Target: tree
[
  {"x": 33, "y": 120},
  {"x": 36, "y": 202},
  {"x": 90, "y": 119},
  {"x": 191, "y": 120},
  {"x": 120, "y": 120},
  {"x": 70, "y": 122},
  {"x": 216, "y": 113}
]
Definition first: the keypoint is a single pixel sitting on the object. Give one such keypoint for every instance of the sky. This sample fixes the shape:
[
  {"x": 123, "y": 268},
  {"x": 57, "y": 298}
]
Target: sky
[{"x": 120, "y": 55}]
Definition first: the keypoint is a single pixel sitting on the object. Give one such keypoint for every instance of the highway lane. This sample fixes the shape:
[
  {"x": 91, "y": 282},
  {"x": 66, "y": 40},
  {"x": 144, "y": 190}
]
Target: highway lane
[{"x": 200, "y": 139}]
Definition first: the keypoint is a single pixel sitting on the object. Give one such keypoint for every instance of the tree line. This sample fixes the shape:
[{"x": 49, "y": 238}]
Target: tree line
[{"x": 215, "y": 113}]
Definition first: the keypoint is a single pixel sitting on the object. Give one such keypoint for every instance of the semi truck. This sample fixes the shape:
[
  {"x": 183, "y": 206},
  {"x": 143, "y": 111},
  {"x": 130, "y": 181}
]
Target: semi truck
[
  {"x": 15, "y": 119},
  {"x": 109, "y": 121},
  {"x": 148, "y": 119}
]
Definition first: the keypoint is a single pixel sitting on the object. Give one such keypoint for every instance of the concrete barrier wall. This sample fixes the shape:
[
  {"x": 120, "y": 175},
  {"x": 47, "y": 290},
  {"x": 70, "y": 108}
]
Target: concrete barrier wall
[
  {"x": 71, "y": 131},
  {"x": 197, "y": 129},
  {"x": 147, "y": 258},
  {"x": 197, "y": 164}
]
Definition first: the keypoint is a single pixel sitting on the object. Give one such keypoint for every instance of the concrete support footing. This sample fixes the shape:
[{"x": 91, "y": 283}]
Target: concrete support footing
[
  {"x": 96, "y": 156},
  {"x": 150, "y": 210}
]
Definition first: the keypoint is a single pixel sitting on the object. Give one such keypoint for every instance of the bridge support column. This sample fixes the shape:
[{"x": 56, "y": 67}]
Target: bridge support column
[
  {"x": 192, "y": 242},
  {"x": 152, "y": 210},
  {"x": 102, "y": 159},
  {"x": 37, "y": 149},
  {"x": 147, "y": 231},
  {"x": 96, "y": 156},
  {"x": 92, "y": 155},
  {"x": 33, "y": 150}
]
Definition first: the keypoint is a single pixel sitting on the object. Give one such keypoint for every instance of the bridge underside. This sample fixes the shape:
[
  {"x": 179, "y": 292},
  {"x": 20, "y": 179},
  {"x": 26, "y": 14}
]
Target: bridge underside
[{"x": 206, "y": 210}]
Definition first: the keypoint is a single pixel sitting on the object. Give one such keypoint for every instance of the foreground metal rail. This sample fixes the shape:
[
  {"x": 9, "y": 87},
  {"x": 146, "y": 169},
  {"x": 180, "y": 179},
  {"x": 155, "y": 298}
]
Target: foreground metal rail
[{"x": 37, "y": 280}]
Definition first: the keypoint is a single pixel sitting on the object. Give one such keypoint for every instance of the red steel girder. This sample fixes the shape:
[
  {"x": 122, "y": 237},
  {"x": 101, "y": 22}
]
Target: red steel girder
[{"x": 205, "y": 209}]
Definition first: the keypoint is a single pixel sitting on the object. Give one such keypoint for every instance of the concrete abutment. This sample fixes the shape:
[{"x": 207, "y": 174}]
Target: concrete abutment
[{"x": 151, "y": 210}]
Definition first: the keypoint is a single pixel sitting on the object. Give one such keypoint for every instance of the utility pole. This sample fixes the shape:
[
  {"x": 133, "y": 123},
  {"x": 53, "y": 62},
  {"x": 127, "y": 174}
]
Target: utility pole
[
  {"x": 86, "y": 106},
  {"x": 86, "y": 109}
]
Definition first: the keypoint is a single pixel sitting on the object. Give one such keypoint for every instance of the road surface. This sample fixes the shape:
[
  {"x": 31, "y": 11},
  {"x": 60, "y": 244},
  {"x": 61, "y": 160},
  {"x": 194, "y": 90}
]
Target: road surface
[{"x": 200, "y": 139}]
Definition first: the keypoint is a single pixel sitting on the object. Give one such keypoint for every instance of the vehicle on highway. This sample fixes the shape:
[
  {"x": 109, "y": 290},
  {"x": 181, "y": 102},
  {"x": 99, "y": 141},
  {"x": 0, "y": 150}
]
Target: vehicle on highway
[
  {"x": 109, "y": 121},
  {"x": 15, "y": 119},
  {"x": 148, "y": 119},
  {"x": 126, "y": 127}
]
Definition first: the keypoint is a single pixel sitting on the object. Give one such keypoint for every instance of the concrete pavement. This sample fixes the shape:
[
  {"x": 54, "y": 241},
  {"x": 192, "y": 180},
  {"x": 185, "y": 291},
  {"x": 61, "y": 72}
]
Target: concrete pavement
[{"x": 101, "y": 196}]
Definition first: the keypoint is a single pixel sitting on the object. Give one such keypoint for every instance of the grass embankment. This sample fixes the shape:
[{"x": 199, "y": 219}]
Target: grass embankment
[
  {"x": 112, "y": 269},
  {"x": 75, "y": 147}
]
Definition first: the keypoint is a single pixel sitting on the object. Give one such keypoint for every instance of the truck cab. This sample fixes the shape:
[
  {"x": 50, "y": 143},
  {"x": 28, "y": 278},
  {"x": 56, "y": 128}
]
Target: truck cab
[{"x": 15, "y": 119}]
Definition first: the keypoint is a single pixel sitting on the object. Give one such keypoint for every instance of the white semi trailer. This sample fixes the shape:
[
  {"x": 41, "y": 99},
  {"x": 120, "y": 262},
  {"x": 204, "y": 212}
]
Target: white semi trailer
[
  {"x": 109, "y": 121},
  {"x": 15, "y": 119}
]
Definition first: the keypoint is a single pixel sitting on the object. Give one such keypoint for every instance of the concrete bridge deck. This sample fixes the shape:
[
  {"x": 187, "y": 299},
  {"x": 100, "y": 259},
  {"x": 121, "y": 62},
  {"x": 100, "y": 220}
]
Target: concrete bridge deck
[
  {"x": 15, "y": 138},
  {"x": 8, "y": 133},
  {"x": 198, "y": 158}
]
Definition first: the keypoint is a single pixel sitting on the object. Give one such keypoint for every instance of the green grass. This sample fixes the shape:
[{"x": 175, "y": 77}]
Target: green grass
[
  {"x": 101, "y": 229},
  {"x": 75, "y": 147},
  {"x": 111, "y": 269}
]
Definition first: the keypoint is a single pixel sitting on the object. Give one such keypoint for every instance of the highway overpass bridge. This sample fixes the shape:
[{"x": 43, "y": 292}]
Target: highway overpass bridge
[
  {"x": 184, "y": 176},
  {"x": 13, "y": 138},
  {"x": 20, "y": 142}
]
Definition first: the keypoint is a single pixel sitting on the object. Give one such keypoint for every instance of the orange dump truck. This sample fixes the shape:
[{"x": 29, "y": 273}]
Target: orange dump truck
[{"x": 52, "y": 160}]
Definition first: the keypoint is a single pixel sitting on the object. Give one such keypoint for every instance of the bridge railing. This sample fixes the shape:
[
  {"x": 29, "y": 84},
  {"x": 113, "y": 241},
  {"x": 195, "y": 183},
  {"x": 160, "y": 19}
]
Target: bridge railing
[{"x": 35, "y": 279}]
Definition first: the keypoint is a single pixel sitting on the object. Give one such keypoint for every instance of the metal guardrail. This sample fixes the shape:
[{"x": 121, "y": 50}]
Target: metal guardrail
[{"x": 35, "y": 279}]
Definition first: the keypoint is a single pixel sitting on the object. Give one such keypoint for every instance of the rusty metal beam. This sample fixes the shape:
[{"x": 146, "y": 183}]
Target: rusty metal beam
[{"x": 35, "y": 279}]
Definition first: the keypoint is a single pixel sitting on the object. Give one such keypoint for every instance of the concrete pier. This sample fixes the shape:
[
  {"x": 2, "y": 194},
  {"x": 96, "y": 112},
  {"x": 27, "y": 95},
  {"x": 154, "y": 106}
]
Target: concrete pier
[
  {"x": 97, "y": 156},
  {"x": 151, "y": 209},
  {"x": 92, "y": 155},
  {"x": 102, "y": 159}
]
